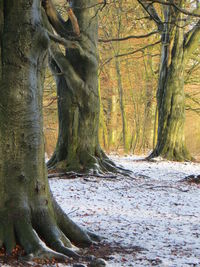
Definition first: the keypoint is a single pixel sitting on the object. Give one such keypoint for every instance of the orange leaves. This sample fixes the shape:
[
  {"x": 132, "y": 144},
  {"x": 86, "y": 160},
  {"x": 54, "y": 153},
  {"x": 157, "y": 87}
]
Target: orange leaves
[
  {"x": 46, "y": 261},
  {"x": 2, "y": 252},
  {"x": 17, "y": 251}
]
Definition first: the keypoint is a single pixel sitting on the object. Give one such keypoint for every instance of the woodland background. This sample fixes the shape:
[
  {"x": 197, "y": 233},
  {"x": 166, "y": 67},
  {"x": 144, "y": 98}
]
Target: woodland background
[{"x": 128, "y": 76}]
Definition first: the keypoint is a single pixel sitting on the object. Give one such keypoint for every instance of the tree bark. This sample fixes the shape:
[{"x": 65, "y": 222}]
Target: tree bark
[
  {"x": 113, "y": 122},
  {"x": 170, "y": 94},
  {"x": 78, "y": 146},
  {"x": 28, "y": 211},
  {"x": 148, "y": 109},
  {"x": 122, "y": 106},
  {"x": 103, "y": 132},
  {"x": 1, "y": 31}
]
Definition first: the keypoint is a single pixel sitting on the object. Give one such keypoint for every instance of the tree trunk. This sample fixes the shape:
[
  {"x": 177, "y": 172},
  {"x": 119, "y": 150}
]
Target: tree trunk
[
  {"x": 1, "y": 31},
  {"x": 78, "y": 146},
  {"x": 122, "y": 106},
  {"x": 148, "y": 109},
  {"x": 113, "y": 133},
  {"x": 155, "y": 127},
  {"x": 28, "y": 211},
  {"x": 103, "y": 132},
  {"x": 170, "y": 95}
]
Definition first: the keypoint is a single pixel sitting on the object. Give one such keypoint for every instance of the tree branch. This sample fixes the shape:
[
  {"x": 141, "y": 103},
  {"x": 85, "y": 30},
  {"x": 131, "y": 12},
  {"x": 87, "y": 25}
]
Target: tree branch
[
  {"x": 138, "y": 50},
  {"x": 74, "y": 21},
  {"x": 127, "y": 37},
  {"x": 149, "y": 8},
  {"x": 192, "y": 40},
  {"x": 54, "y": 17},
  {"x": 66, "y": 43},
  {"x": 57, "y": 21},
  {"x": 130, "y": 53},
  {"x": 72, "y": 78},
  {"x": 182, "y": 10},
  {"x": 104, "y": 4}
]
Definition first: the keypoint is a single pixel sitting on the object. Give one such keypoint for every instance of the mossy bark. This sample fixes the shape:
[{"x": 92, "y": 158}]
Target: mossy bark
[
  {"x": 28, "y": 211},
  {"x": 103, "y": 132},
  {"x": 170, "y": 94},
  {"x": 76, "y": 75},
  {"x": 171, "y": 108}
]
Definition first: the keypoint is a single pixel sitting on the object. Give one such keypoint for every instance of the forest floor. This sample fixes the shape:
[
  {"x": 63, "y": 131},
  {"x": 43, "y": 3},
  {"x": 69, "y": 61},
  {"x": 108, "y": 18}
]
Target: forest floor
[{"x": 149, "y": 219}]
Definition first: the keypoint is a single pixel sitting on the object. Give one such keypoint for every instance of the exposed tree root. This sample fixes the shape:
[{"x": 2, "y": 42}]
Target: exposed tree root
[
  {"x": 45, "y": 233},
  {"x": 191, "y": 179},
  {"x": 72, "y": 175},
  {"x": 98, "y": 166},
  {"x": 52, "y": 161},
  {"x": 173, "y": 154}
]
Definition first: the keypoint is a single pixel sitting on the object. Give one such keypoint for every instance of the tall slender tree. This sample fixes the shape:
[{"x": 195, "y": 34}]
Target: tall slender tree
[
  {"x": 28, "y": 211},
  {"x": 148, "y": 103},
  {"x": 177, "y": 47}
]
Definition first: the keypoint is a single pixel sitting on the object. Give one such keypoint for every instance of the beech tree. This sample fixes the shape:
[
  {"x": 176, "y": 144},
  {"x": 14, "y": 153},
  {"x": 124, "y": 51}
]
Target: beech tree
[
  {"x": 177, "y": 47},
  {"x": 28, "y": 211},
  {"x": 76, "y": 74}
]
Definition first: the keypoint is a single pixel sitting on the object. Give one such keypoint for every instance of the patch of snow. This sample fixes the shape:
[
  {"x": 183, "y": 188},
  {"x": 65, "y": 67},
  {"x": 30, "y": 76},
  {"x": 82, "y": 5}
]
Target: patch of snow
[{"x": 152, "y": 210}]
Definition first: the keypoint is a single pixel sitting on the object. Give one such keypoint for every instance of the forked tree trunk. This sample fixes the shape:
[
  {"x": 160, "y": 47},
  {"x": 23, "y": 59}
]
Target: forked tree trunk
[
  {"x": 171, "y": 107},
  {"x": 76, "y": 75},
  {"x": 28, "y": 212},
  {"x": 170, "y": 94}
]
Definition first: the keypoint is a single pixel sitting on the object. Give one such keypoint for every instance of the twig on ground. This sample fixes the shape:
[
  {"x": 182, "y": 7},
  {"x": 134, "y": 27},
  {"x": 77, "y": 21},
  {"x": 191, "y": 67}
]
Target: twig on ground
[
  {"x": 72, "y": 175},
  {"x": 168, "y": 186},
  {"x": 72, "y": 211},
  {"x": 191, "y": 179}
]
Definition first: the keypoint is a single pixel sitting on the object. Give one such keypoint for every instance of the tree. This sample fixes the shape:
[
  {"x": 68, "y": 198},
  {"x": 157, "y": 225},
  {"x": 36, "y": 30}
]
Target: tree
[
  {"x": 76, "y": 75},
  {"x": 149, "y": 97},
  {"x": 28, "y": 211},
  {"x": 123, "y": 31},
  {"x": 177, "y": 47}
]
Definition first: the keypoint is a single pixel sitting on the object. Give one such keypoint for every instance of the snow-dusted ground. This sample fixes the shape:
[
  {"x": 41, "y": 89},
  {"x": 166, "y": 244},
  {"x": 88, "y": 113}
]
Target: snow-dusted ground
[{"x": 152, "y": 211}]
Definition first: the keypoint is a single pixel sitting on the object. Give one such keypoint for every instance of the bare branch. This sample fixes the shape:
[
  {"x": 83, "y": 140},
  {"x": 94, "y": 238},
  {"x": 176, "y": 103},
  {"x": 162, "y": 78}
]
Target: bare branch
[
  {"x": 127, "y": 37},
  {"x": 57, "y": 21},
  {"x": 138, "y": 50},
  {"x": 182, "y": 10},
  {"x": 149, "y": 8},
  {"x": 104, "y": 4},
  {"x": 130, "y": 53},
  {"x": 65, "y": 43},
  {"x": 192, "y": 40},
  {"x": 74, "y": 21}
]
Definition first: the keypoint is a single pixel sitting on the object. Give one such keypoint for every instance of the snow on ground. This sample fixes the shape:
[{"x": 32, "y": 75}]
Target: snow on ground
[{"x": 153, "y": 217}]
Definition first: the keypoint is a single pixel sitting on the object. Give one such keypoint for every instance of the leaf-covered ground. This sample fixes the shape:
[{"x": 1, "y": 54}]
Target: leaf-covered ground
[{"x": 152, "y": 219}]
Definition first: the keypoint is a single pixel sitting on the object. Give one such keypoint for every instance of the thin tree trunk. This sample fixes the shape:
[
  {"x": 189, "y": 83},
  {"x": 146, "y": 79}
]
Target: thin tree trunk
[
  {"x": 122, "y": 105},
  {"x": 155, "y": 128},
  {"x": 147, "y": 123},
  {"x": 113, "y": 134},
  {"x": 104, "y": 131}
]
